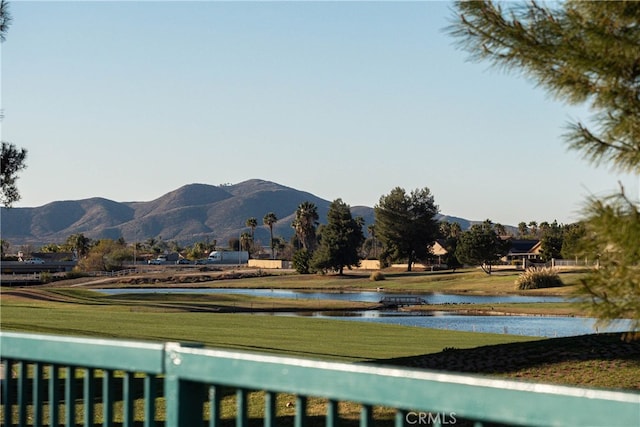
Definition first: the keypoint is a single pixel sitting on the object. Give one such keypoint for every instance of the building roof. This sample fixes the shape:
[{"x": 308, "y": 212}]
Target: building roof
[{"x": 519, "y": 246}]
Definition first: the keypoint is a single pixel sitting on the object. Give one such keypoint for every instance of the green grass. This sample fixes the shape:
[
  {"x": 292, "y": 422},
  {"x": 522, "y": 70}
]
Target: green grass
[{"x": 310, "y": 337}]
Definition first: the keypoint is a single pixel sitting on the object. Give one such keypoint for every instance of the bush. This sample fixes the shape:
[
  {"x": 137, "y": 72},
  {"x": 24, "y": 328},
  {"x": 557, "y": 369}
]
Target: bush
[
  {"x": 75, "y": 274},
  {"x": 536, "y": 278},
  {"x": 302, "y": 261},
  {"x": 377, "y": 276}
]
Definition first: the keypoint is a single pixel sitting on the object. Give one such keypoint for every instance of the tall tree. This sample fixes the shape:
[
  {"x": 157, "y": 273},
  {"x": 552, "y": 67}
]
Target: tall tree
[
  {"x": 340, "y": 240},
  {"x": 305, "y": 224},
  {"x": 572, "y": 235},
  {"x": 612, "y": 234},
  {"x": 245, "y": 241},
  {"x": 450, "y": 233},
  {"x": 252, "y": 223},
  {"x": 269, "y": 220},
  {"x": 481, "y": 245},
  {"x": 522, "y": 229},
  {"x": 5, "y": 19},
  {"x": 12, "y": 161},
  {"x": 78, "y": 243},
  {"x": 550, "y": 241},
  {"x": 406, "y": 224},
  {"x": 580, "y": 52}
]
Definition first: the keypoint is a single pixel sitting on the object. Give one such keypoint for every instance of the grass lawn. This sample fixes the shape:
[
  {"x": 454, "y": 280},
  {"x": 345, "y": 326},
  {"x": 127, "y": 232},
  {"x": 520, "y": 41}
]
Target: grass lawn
[
  {"x": 462, "y": 281},
  {"x": 317, "y": 338}
]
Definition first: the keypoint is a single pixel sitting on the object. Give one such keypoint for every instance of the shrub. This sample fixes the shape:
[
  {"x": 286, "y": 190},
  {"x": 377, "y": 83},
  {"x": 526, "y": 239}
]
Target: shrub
[
  {"x": 75, "y": 274},
  {"x": 536, "y": 278},
  {"x": 376, "y": 276},
  {"x": 302, "y": 261}
]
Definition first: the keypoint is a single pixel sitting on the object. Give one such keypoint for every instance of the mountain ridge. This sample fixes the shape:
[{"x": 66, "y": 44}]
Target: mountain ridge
[{"x": 190, "y": 213}]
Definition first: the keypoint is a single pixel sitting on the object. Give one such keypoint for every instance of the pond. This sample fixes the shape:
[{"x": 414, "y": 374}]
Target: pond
[
  {"x": 535, "y": 326},
  {"x": 539, "y": 326},
  {"x": 363, "y": 296}
]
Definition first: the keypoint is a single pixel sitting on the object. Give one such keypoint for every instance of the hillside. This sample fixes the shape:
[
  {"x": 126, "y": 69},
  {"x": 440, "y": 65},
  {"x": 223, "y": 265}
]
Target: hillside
[{"x": 188, "y": 214}]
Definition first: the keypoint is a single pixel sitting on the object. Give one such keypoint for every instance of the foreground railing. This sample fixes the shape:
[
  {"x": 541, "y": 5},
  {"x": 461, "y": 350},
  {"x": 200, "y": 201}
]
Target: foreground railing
[{"x": 48, "y": 379}]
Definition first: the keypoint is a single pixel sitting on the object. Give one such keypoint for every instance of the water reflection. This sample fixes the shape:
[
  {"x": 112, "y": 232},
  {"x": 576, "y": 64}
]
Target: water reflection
[
  {"x": 364, "y": 296},
  {"x": 535, "y": 326},
  {"x": 540, "y": 326}
]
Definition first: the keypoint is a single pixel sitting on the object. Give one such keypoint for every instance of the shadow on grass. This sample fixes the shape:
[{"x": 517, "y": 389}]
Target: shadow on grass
[{"x": 505, "y": 358}]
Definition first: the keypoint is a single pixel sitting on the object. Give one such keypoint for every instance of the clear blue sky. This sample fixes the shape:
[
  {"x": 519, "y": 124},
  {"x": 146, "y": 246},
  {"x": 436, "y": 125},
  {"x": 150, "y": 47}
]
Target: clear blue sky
[{"x": 130, "y": 100}]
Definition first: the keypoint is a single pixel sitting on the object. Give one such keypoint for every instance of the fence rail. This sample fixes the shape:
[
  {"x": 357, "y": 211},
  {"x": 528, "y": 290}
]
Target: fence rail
[{"x": 42, "y": 369}]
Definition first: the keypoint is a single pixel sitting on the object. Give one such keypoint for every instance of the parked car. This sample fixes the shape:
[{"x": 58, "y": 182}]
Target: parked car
[
  {"x": 34, "y": 261},
  {"x": 202, "y": 261},
  {"x": 155, "y": 262},
  {"x": 183, "y": 261}
]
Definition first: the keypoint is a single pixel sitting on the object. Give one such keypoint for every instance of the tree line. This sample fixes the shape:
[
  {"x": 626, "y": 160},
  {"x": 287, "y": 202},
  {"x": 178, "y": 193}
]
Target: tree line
[{"x": 405, "y": 230}]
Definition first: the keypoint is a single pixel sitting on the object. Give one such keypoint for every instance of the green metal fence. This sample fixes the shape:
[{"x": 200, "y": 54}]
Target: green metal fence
[{"x": 48, "y": 379}]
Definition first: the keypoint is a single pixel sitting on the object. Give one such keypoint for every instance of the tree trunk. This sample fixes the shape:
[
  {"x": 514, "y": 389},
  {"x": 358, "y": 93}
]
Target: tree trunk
[{"x": 486, "y": 268}]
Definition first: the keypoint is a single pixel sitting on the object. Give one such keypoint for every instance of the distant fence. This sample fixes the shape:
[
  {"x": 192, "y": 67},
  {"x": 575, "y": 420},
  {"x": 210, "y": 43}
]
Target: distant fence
[{"x": 573, "y": 263}]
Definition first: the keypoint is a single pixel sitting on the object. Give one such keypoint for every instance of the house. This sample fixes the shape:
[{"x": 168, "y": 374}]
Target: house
[
  {"x": 439, "y": 250},
  {"x": 523, "y": 250}
]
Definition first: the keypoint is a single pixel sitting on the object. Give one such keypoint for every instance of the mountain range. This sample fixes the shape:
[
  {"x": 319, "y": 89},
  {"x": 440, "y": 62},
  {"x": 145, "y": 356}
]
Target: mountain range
[{"x": 194, "y": 212}]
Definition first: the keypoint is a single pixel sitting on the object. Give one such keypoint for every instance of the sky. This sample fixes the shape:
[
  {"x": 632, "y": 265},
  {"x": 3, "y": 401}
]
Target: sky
[{"x": 131, "y": 100}]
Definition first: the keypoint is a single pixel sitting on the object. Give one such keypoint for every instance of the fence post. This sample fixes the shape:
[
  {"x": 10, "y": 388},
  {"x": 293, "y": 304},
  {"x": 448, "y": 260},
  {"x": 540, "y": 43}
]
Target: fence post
[{"x": 184, "y": 399}]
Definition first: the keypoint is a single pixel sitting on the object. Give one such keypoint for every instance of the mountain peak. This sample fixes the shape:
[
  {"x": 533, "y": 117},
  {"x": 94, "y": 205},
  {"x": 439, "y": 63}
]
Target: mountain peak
[{"x": 191, "y": 213}]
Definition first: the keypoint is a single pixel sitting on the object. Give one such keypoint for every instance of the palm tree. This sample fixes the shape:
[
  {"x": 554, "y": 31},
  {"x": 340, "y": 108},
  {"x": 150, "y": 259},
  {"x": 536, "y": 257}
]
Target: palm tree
[
  {"x": 268, "y": 220},
  {"x": 371, "y": 228},
  {"x": 305, "y": 224},
  {"x": 245, "y": 241},
  {"x": 252, "y": 223},
  {"x": 80, "y": 244},
  {"x": 522, "y": 229}
]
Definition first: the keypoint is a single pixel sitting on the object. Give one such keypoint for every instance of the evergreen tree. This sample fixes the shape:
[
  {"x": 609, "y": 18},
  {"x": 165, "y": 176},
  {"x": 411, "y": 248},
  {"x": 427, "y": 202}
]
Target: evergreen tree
[
  {"x": 406, "y": 224},
  {"x": 551, "y": 241},
  {"x": 340, "y": 240},
  {"x": 612, "y": 234},
  {"x": 450, "y": 233},
  {"x": 5, "y": 19},
  {"x": 580, "y": 52},
  {"x": 571, "y": 236},
  {"x": 481, "y": 245},
  {"x": 12, "y": 161}
]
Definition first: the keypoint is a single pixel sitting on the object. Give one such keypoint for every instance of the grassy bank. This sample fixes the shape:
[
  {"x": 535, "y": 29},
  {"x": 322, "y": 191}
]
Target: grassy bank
[{"x": 463, "y": 281}]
